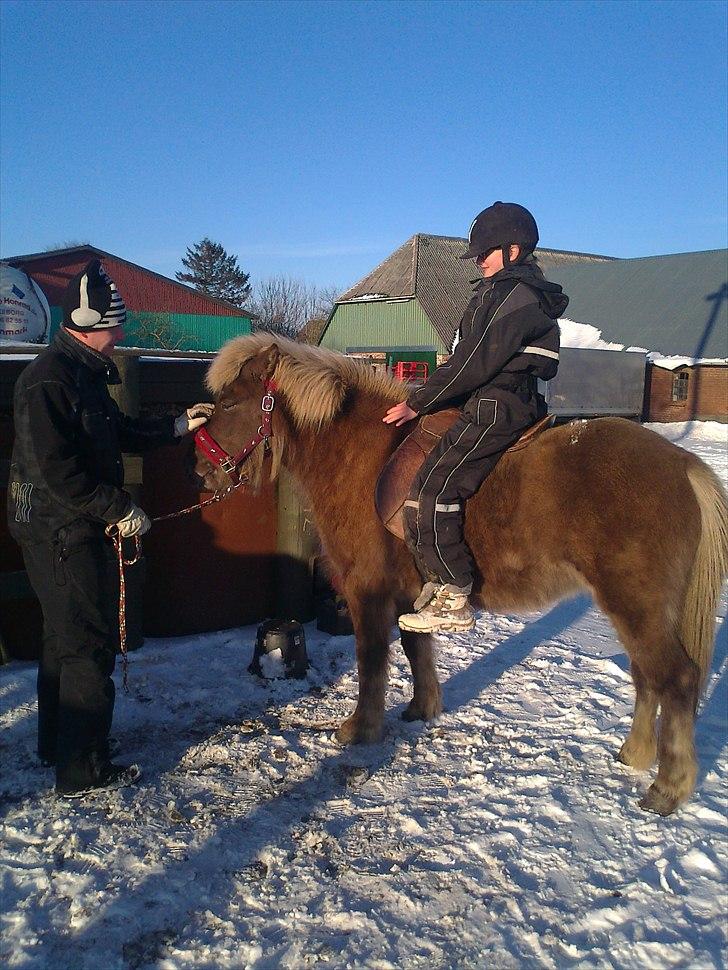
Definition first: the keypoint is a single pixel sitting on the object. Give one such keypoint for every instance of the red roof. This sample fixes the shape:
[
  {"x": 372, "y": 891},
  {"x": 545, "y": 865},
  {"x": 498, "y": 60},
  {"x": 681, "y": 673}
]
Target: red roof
[{"x": 142, "y": 289}]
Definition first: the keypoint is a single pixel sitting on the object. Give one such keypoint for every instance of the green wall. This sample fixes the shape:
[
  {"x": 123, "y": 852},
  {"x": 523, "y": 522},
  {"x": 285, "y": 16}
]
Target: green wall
[
  {"x": 199, "y": 331},
  {"x": 380, "y": 323}
]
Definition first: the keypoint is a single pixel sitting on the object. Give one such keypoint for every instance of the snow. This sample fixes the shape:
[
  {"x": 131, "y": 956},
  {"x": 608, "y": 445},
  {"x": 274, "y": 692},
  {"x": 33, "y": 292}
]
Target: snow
[
  {"x": 672, "y": 363},
  {"x": 586, "y": 336},
  {"x": 502, "y": 835}
]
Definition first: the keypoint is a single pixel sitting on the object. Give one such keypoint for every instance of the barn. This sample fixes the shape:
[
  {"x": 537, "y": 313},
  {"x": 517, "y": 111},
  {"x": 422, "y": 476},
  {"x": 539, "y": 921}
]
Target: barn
[
  {"x": 407, "y": 309},
  {"x": 160, "y": 312},
  {"x": 404, "y": 313}
]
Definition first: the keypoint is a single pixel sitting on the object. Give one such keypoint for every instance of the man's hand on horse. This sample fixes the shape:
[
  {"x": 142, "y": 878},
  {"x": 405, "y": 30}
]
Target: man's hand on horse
[
  {"x": 193, "y": 418},
  {"x": 399, "y": 414}
]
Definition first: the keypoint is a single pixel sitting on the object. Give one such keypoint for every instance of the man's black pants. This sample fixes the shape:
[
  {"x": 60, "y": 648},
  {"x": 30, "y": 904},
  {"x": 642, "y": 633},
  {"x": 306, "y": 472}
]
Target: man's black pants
[
  {"x": 452, "y": 472},
  {"x": 77, "y": 585}
]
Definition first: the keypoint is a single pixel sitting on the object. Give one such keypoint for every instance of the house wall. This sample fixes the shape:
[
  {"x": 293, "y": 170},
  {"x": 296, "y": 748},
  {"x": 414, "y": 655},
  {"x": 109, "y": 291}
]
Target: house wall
[
  {"x": 707, "y": 398},
  {"x": 174, "y": 331},
  {"x": 380, "y": 323}
]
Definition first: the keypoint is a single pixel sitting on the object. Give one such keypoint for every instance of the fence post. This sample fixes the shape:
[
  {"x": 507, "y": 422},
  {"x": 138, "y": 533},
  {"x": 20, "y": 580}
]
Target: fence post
[{"x": 296, "y": 547}]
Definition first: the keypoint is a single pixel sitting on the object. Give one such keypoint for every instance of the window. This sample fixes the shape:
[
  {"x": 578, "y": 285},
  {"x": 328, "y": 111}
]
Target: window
[{"x": 680, "y": 387}]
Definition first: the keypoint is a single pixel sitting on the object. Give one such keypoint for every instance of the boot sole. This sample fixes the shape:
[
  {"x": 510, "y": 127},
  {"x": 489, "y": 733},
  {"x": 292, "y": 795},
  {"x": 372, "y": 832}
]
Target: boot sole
[{"x": 439, "y": 628}]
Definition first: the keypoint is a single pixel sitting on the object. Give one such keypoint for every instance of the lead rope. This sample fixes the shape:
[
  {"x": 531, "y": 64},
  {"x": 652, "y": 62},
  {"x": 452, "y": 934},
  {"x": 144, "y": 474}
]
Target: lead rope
[{"x": 113, "y": 533}]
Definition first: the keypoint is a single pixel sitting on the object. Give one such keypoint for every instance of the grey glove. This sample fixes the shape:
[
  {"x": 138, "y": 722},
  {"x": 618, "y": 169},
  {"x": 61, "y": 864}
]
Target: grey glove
[
  {"x": 193, "y": 418},
  {"x": 135, "y": 523}
]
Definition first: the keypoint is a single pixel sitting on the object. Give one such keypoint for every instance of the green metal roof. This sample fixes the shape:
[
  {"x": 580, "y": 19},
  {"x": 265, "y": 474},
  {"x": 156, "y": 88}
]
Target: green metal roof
[{"x": 676, "y": 304}]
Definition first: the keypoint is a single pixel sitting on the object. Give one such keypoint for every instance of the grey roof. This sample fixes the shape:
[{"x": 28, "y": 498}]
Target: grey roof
[
  {"x": 428, "y": 267},
  {"x": 676, "y": 304},
  {"x": 311, "y": 331}
]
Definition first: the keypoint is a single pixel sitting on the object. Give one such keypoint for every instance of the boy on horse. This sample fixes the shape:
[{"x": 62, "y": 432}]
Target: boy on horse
[{"x": 508, "y": 338}]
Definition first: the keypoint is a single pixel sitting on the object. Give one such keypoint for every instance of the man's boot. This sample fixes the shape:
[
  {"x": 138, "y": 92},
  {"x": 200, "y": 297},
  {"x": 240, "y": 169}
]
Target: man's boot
[{"x": 446, "y": 610}]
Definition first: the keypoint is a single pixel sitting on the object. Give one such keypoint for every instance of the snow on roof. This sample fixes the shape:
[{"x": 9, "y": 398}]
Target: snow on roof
[
  {"x": 672, "y": 363},
  {"x": 586, "y": 336}
]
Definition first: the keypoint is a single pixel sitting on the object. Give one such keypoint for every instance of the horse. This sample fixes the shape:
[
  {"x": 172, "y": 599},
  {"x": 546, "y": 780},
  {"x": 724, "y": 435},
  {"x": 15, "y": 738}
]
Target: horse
[{"x": 604, "y": 506}]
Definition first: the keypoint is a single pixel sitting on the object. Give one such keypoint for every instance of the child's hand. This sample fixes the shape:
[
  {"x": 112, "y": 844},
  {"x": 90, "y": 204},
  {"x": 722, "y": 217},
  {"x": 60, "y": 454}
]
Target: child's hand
[{"x": 399, "y": 414}]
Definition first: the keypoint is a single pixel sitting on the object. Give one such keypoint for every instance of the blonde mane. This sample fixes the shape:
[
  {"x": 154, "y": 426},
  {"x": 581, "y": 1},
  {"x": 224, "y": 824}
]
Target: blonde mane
[{"x": 314, "y": 380}]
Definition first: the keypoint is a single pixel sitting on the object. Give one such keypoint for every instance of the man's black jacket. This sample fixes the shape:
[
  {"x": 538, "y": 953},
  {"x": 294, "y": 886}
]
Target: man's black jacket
[
  {"x": 66, "y": 470},
  {"x": 509, "y": 336}
]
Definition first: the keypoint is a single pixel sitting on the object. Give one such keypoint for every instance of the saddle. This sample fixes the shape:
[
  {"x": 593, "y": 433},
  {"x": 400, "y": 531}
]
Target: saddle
[{"x": 395, "y": 479}]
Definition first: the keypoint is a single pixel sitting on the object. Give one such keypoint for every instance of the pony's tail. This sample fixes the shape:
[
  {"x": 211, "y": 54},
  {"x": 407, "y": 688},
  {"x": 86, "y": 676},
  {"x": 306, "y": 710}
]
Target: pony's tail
[{"x": 708, "y": 570}]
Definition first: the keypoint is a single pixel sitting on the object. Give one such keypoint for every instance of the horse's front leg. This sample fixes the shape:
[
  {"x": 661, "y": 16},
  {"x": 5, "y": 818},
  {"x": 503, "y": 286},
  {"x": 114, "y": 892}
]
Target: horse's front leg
[
  {"x": 372, "y": 618},
  {"x": 427, "y": 700}
]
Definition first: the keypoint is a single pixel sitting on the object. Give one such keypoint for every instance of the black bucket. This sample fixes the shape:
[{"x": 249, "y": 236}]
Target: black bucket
[{"x": 289, "y": 637}]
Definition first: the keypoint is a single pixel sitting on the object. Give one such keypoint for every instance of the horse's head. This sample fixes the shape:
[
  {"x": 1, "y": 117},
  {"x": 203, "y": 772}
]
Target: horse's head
[
  {"x": 235, "y": 423},
  {"x": 313, "y": 385}
]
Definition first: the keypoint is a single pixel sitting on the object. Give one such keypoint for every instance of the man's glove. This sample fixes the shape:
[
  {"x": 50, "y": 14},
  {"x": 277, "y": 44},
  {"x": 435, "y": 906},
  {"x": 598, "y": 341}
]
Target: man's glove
[
  {"x": 135, "y": 523},
  {"x": 192, "y": 419}
]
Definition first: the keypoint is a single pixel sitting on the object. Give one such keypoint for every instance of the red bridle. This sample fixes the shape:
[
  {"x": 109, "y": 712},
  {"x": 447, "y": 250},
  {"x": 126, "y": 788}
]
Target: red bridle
[{"x": 216, "y": 454}]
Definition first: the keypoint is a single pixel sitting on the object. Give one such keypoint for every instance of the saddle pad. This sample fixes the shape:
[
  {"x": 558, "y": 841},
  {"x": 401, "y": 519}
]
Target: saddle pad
[{"x": 395, "y": 479}]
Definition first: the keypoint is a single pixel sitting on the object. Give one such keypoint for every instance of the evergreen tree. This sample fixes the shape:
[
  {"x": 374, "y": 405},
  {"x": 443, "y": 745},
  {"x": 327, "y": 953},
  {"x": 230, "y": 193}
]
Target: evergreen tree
[{"x": 212, "y": 271}]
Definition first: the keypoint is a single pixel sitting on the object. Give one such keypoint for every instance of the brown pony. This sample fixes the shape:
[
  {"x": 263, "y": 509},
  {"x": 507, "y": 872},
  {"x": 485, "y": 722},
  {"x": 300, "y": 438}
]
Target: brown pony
[{"x": 605, "y": 506}]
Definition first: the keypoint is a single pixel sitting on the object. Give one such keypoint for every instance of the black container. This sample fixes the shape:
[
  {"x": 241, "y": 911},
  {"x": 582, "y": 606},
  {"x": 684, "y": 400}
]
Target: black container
[{"x": 289, "y": 637}]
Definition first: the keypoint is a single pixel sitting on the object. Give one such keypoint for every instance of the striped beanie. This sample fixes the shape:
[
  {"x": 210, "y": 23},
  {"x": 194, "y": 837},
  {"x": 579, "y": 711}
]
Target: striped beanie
[{"x": 92, "y": 301}]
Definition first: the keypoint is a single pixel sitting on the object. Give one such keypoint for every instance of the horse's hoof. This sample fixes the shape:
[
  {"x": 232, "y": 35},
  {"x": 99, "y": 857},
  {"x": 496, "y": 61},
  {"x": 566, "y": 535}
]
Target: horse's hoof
[
  {"x": 639, "y": 758},
  {"x": 417, "y": 711},
  {"x": 352, "y": 731},
  {"x": 412, "y": 713},
  {"x": 657, "y": 801}
]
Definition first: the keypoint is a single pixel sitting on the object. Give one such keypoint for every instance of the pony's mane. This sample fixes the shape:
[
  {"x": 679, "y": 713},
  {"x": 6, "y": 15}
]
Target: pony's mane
[{"x": 314, "y": 380}]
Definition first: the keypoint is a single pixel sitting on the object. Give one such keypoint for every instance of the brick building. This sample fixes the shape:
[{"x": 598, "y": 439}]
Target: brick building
[{"x": 686, "y": 391}]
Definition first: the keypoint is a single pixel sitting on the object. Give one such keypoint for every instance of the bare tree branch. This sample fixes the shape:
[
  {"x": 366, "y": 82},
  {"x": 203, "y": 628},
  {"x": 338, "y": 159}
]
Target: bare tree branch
[{"x": 285, "y": 305}]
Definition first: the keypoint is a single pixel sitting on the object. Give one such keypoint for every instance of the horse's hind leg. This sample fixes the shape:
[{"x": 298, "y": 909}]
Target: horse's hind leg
[
  {"x": 676, "y": 681},
  {"x": 427, "y": 700},
  {"x": 664, "y": 675},
  {"x": 372, "y": 618},
  {"x": 640, "y": 749}
]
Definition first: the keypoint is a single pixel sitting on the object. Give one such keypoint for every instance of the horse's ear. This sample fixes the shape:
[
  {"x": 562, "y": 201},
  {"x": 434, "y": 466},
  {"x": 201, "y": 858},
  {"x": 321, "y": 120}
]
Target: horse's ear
[{"x": 269, "y": 359}]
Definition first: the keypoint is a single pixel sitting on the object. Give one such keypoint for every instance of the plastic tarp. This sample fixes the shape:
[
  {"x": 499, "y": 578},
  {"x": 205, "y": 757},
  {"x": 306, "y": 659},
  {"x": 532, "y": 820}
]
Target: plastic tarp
[{"x": 24, "y": 311}]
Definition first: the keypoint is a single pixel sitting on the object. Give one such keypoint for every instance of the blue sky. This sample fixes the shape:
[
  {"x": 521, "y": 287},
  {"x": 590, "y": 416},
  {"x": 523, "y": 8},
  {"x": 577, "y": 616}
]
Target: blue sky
[{"x": 312, "y": 139}]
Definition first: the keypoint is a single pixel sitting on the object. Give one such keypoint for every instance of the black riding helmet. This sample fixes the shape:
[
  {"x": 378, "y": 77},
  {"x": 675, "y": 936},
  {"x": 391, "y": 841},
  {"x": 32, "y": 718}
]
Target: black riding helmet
[{"x": 502, "y": 225}]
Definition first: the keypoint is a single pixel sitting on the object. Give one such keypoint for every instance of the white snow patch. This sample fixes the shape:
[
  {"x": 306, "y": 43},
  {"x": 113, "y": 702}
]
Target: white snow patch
[
  {"x": 586, "y": 336},
  {"x": 672, "y": 363},
  {"x": 504, "y": 834}
]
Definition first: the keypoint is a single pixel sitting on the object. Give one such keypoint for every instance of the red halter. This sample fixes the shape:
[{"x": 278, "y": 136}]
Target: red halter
[{"x": 216, "y": 454}]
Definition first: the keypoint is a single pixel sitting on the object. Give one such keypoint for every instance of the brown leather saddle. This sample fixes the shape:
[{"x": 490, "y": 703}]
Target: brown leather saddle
[{"x": 395, "y": 479}]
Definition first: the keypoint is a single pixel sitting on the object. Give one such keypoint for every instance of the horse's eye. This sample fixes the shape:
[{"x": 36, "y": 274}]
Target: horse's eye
[{"x": 229, "y": 405}]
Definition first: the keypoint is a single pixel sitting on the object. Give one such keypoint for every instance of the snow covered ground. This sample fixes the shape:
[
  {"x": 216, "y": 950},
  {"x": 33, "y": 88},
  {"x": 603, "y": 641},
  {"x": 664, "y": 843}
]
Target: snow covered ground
[{"x": 504, "y": 835}]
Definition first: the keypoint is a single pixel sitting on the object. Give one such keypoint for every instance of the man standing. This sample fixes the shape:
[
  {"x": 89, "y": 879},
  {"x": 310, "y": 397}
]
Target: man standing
[{"x": 65, "y": 488}]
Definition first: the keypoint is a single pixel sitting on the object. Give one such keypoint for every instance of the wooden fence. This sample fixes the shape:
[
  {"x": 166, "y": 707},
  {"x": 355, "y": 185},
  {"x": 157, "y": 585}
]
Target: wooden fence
[{"x": 234, "y": 563}]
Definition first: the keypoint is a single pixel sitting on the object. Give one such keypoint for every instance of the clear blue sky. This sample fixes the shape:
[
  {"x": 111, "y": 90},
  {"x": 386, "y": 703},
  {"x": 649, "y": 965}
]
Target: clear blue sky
[{"x": 313, "y": 138}]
